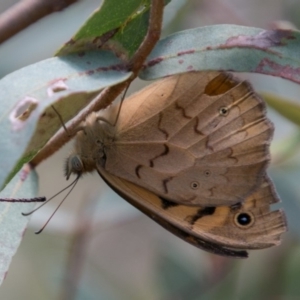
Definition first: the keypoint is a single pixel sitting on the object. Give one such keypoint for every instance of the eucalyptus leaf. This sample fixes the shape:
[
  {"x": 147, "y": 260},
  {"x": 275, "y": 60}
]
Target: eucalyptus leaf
[
  {"x": 287, "y": 108},
  {"x": 226, "y": 47},
  {"x": 12, "y": 223},
  {"x": 112, "y": 25},
  {"x": 70, "y": 82}
]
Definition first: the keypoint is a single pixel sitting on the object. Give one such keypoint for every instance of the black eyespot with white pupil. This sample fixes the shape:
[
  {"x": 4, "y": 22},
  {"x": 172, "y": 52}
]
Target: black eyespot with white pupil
[
  {"x": 224, "y": 111},
  {"x": 194, "y": 185},
  {"x": 244, "y": 220}
]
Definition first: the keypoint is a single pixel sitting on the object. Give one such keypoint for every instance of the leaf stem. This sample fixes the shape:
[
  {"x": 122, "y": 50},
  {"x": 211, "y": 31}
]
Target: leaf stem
[{"x": 107, "y": 96}]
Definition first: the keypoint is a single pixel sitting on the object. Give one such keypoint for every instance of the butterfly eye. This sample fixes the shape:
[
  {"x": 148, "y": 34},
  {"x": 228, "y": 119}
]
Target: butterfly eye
[
  {"x": 76, "y": 164},
  {"x": 244, "y": 220},
  {"x": 73, "y": 165},
  {"x": 223, "y": 111},
  {"x": 194, "y": 185}
]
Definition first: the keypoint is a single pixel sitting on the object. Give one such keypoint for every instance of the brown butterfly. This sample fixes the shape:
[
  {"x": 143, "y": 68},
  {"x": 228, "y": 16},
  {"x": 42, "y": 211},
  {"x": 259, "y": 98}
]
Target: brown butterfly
[{"x": 191, "y": 152}]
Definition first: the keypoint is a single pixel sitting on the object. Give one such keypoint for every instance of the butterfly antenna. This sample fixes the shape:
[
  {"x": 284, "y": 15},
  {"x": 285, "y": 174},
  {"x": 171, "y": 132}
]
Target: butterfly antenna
[
  {"x": 72, "y": 183},
  {"x": 23, "y": 200},
  {"x": 61, "y": 120},
  {"x": 121, "y": 103},
  {"x": 100, "y": 118}
]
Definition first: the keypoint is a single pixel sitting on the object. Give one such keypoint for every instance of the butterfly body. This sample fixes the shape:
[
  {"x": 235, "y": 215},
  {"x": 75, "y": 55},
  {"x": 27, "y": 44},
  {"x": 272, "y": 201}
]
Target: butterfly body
[{"x": 190, "y": 151}]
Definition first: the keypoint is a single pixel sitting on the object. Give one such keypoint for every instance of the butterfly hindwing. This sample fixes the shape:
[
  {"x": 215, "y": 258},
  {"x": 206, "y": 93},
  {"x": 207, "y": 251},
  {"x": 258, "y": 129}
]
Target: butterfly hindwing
[{"x": 227, "y": 231}]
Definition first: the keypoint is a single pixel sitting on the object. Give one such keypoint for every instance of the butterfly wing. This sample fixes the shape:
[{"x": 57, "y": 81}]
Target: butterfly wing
[
  {"x": 195, "y": 138},
  {"x": 227, "y": 231}
]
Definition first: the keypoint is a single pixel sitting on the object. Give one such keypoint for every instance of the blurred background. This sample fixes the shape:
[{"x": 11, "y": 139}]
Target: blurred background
[{"x": 109, "y": 250}]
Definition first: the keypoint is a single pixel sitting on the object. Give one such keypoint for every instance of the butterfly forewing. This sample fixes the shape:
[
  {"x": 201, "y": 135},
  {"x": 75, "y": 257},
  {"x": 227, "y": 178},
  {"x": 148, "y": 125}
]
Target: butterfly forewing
[{"x": 186, "y": 131}]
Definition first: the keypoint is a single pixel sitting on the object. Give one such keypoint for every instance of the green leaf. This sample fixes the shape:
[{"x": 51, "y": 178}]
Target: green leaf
[
  {"x": 119, "y": 26},
  {"x": 227, "y": 47},
  {"x": 12, "y": 223},
  {"x": 123, "y": 23},
  {"x": 287, "y": 108},
  {"x": 69, "y": 82}
]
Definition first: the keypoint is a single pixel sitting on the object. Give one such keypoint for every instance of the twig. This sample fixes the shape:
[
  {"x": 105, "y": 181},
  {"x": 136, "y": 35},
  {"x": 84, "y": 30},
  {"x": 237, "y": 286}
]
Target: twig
[
  {"x": 107, "y": 96},
  {"x": 25, "y": 13}
]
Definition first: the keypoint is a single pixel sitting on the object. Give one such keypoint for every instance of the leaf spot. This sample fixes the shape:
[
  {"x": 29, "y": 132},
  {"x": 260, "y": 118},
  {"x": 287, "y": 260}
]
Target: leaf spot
[
  {"x": 56, "y": 87},
  {"x": 22, "y": 112}
]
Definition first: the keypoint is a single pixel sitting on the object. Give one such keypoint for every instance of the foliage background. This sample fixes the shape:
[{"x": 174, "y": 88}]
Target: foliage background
[{"x": 120, "y": 253}]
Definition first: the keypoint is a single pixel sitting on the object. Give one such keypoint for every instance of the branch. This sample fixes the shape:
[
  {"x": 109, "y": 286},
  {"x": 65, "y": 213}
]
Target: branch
[
  {"x": 27, "y": 12},
  {"x": 107, "y": 96}
]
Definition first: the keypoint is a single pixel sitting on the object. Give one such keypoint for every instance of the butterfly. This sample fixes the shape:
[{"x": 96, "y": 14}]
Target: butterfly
[{"x": 191, "y": 152}]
